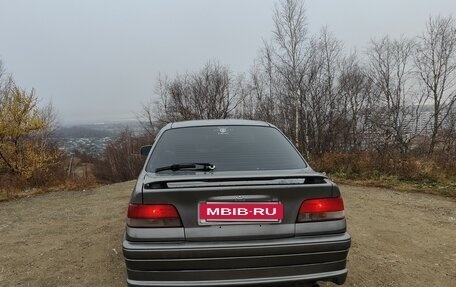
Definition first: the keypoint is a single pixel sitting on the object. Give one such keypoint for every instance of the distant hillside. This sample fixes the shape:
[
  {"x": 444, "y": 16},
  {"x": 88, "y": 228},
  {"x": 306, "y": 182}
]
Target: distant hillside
[
  {"x": 100, "y": 130},
  {"x": 83, "y": 132},
  {"x": 92, "y": 138}
]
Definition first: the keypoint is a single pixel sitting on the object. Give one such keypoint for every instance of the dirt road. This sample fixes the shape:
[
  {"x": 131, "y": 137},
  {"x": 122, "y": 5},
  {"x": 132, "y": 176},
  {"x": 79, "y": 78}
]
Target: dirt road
[{"x": 74, "y": 238}]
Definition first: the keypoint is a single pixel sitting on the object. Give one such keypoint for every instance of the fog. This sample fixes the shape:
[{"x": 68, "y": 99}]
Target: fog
[{"x": 99, "y": 60}]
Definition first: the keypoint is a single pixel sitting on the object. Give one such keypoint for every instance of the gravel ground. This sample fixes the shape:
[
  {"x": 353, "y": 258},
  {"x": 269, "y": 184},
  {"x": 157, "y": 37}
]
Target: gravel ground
[{"x": 74, "y": 238}]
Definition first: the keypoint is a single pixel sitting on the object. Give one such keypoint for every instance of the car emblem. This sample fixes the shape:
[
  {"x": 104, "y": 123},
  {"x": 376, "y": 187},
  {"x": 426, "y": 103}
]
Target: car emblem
[
  {"x": 239, "y": 198},
  {"x": 223, "y": 131}
]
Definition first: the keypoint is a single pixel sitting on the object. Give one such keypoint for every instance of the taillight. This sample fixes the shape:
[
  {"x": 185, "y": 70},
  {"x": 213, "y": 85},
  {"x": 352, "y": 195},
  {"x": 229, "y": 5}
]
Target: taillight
[
  {"x": 153, "y": 215},
  {"x": 321, "y": 209}
]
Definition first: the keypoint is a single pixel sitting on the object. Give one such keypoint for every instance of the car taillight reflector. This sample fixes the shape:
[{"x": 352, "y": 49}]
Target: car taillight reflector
[
  {"x": 152, "y": 211},
  {"x": 320, "y": 209},
  {"x": 153, "y": 215}
]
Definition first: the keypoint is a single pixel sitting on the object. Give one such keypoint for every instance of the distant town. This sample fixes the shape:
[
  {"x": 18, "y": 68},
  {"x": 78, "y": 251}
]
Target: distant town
[{"x": 92, "y": 139}]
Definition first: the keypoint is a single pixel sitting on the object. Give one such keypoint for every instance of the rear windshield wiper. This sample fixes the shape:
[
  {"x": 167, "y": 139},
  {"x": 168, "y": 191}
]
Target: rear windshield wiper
[{"x": 202, "y": 166}]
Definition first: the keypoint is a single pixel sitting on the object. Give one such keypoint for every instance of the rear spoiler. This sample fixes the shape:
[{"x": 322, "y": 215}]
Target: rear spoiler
[{"x": 235, "y": 181}]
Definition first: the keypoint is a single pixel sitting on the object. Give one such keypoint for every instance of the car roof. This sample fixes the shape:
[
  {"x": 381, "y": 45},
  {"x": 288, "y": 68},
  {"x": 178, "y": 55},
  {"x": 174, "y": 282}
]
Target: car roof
[{"x": 223, "y": 122}]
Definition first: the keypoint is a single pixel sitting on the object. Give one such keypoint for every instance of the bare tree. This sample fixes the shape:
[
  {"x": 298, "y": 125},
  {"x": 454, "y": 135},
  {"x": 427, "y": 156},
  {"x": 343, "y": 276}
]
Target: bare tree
[
  {"x": 211, "y": 93},
  {"x": 121, "y": 160},
  {"x": 289, "y": 50},
  {"x": 449, "y": 135},
  {"x": 147, "y": 120},
  {"x": 296, "y": 79},
  {"x": 323, "y": 99},
  {"x": 354, "y": 87},
  {"x": 436, "y": 64},
  {"x": 262, "y": 89},
  {"x": 214, "y": 93},
  {"x": 390, "y": 72}
]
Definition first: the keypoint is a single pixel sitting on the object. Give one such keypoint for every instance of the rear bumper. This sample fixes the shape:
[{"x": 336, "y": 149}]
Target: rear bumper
[{"x": 233, "y": 263}]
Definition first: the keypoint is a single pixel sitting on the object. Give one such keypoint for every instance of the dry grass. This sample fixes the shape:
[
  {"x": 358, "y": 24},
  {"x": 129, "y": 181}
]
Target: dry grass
[
  {"x": 448, "y": 189},
  {"x": 67, "y": 185},
  {"x": 435, "y": 175},
  {"x": 70, "y": 184},
  {"x": 81, "y": 177}
]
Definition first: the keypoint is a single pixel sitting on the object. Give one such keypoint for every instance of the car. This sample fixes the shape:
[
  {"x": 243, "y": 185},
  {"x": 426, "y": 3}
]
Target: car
[{"x": 232, "y": 203}]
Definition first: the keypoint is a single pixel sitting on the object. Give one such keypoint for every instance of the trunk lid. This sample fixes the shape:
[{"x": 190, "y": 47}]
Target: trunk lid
[{"x": 187, "y": 190}]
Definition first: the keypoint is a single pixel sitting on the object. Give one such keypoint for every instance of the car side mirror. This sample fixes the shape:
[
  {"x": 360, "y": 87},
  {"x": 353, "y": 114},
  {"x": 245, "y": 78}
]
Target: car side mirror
[{"x": 145, "y": 150}]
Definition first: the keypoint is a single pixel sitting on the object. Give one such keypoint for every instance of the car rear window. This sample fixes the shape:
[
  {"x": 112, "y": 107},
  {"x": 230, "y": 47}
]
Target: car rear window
[{"x": 229, "y": 148}]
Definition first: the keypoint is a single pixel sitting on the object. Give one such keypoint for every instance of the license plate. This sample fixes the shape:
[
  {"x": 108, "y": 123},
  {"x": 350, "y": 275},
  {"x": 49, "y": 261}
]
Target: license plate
[{"x": 241, "y": 212}]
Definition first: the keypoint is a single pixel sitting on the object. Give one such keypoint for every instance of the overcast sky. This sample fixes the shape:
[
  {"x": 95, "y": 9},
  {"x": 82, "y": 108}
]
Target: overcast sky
[{"x": 99, "y": 60}]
